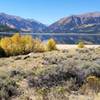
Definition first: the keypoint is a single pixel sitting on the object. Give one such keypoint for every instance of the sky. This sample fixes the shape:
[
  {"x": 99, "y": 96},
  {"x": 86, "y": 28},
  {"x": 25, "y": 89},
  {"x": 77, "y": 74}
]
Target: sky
[{"x": 48, "y": 11}]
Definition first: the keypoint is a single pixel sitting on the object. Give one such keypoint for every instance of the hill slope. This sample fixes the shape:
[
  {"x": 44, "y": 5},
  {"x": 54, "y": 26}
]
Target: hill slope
[
  {"x": 5, "y": 28},
  {"x": 21, "y": 24},
  {"x": 89, "y": 22}
]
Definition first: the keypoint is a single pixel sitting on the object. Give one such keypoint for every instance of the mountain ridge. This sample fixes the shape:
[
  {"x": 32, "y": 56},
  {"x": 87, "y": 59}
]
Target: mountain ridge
[
  {"x": 73, "y": 23},
  {"x": 21, "y": 24},
  {"x": 81, "y": 23}
]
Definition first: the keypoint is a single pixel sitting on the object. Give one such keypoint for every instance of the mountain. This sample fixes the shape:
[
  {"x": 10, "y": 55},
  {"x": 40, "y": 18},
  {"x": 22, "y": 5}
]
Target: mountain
[
  {"x": 21, "y": 24},
  {"x": 4, "y": 28},
  {"x": 84, "y": 23},
  {"x": 89, "y": 22}
]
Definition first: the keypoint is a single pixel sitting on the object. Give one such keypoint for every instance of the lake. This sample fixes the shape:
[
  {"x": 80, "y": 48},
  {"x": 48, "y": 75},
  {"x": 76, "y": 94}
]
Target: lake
[{"x": 63, "y": 38}]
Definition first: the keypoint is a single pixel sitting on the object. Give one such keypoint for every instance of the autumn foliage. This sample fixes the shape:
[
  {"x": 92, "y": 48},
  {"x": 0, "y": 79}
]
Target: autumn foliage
[
  {"x": 23, "y": 44},
  {"x": 51, "y": 45},
  {"x": 17, "y": 44},
  {"x": 81, "y": 45}
]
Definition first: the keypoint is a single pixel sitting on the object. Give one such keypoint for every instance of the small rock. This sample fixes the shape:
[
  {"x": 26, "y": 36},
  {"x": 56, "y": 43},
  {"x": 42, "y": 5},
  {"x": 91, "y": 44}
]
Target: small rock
[
  {"x": 18, "y": 58},
  {"x": 25, "y": 57}
]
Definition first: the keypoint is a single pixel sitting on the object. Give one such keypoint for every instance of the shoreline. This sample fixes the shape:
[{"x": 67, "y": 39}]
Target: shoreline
[{"x": 70, "y": 46}]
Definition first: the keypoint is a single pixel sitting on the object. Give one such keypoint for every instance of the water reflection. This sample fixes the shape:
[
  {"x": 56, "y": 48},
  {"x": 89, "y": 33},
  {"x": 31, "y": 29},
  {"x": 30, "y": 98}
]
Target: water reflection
[{"x": 63, "y": 38}]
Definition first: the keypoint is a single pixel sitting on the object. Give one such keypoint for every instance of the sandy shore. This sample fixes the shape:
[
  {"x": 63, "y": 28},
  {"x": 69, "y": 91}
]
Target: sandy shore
[{"x": 67, "y": 46}]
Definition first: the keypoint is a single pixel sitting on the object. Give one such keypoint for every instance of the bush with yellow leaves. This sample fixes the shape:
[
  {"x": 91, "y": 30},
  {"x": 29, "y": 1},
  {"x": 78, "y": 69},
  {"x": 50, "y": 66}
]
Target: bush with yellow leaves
[
  {"x": 23, "y": 44},
  {"x": 27, "y": 43},
  {"x": 6, "y": 45},
  {"x": 39, "y": 46},
  {"x": 17, "y": 44},
  {"x": 81, "y": 45},
  {"x": 51, "y": 45}
]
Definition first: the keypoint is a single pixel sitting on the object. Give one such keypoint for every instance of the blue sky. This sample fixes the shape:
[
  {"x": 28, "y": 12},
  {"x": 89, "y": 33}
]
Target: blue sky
[{"x": 48, "y": 11}]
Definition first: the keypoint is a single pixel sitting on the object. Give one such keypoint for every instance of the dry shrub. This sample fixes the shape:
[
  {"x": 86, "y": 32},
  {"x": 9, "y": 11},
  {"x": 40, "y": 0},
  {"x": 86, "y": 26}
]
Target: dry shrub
[
  {"x": 8, "y": 88},
  {"x": 92, "y": 85}
]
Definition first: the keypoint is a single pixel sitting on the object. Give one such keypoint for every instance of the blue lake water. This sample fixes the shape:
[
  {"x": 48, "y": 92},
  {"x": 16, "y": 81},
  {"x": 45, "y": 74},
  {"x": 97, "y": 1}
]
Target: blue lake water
[{"x": 64, "y": 38}]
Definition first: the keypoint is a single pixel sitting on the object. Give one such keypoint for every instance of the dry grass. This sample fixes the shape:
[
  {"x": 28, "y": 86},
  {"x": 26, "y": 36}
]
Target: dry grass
[{"x": 54, "y": 66}]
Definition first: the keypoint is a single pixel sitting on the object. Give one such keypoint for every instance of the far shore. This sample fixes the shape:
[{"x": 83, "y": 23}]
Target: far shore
[{"x": 69, "y": 46}]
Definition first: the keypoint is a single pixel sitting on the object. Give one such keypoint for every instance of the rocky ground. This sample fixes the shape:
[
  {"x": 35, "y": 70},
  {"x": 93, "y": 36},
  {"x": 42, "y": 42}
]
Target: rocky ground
[{"x": 55, "y": 75}]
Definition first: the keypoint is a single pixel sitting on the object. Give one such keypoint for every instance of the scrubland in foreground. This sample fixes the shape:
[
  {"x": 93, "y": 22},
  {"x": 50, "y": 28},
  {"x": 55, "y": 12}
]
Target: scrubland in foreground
[{"x": 72, "y": 74}]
